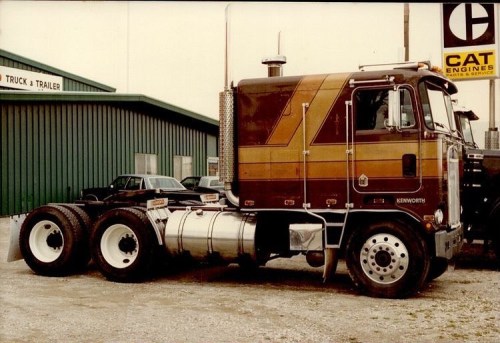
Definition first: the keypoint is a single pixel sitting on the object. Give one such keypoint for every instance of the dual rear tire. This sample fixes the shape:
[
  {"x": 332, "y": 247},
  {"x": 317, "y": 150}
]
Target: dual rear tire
[{"x": 54, "y": 240}]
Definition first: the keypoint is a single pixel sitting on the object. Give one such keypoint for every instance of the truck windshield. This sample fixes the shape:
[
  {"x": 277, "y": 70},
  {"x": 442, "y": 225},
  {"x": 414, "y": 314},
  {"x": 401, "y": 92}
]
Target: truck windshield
[{"x": 438, "y": 108}]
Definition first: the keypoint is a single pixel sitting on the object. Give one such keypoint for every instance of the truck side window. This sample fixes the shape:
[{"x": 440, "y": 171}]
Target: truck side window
[
  {"x": 371, "y": 108},
  {"x": 407, "y": 114}
]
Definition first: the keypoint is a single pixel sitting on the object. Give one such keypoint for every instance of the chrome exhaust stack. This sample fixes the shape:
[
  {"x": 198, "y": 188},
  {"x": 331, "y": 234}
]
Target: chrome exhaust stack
[
  {"x": 226, "y": 128},
  {"x": 226, "y": 143}
]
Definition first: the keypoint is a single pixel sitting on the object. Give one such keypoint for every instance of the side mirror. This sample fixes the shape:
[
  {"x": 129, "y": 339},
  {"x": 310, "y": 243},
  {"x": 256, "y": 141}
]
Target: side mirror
[{"x": 394, "y": 113}]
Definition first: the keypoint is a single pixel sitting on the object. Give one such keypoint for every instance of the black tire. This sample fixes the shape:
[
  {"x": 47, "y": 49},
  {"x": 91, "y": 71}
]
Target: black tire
[
  {"x": 141, "y": 209},
  {"x": 123, "y": 245},
  {"x": 52, "y": 241},
  {"x": 438, "y": 266},
  {"x": 81, "y": 215},
  {"x": 387, "y": 260},
  {"x": 86, "y": 224}
]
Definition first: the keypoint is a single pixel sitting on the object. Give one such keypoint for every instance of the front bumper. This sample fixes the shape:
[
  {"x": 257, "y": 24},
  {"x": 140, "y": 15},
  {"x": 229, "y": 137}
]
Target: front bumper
[{"x": 449, "y": 243}]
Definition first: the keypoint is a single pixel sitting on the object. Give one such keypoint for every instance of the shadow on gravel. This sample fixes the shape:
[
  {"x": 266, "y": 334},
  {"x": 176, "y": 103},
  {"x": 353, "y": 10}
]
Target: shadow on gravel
[
  {"x": 278, "y": 277},
  {"x": 295, "y": 277},
  {"x": 288, "y": 279},
  {"x": 473, "y": 256}
]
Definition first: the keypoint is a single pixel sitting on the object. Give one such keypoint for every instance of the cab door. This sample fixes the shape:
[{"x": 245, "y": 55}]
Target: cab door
[{"x": 385, "y": 152}]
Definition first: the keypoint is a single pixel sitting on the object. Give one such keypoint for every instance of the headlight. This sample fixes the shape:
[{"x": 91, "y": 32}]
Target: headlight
[{"x": 438, "y": 217}]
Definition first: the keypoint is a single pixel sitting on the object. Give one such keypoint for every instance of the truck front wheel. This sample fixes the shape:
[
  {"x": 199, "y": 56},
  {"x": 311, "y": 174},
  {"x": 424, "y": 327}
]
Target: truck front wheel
[
  {"x": 53, "y": 242},
  {"x": 387, "y": 260},
  {"x": 122, "y": 245}
]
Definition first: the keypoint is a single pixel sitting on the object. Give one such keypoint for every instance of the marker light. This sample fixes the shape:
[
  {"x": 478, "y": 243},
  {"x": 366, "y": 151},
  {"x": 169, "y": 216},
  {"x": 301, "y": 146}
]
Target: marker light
[{"x": 438, "y": 216}]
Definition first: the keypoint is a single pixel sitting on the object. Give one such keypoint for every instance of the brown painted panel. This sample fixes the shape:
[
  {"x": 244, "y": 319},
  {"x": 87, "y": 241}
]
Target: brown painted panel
[
  {"x": 261, "y": 103},
  {"x": 291, "y": 117},
  {"x": 331, "y": 194}
]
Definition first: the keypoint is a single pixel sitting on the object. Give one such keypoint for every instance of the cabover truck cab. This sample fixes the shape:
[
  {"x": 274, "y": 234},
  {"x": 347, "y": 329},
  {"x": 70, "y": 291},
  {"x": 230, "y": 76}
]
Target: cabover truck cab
[
  {"x": 362, "y": 166},
  {"x": 480, "y": 187}
]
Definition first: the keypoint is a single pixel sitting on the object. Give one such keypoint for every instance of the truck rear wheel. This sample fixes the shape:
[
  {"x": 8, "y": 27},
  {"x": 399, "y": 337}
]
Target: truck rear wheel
[
  {"x": 52, "y": 241},
  {"x": 86, "y": 225},
  {"x": 81, "y": 215},
  {"x": 387, "y": 260},
  {"x": 122, "y": 245}
]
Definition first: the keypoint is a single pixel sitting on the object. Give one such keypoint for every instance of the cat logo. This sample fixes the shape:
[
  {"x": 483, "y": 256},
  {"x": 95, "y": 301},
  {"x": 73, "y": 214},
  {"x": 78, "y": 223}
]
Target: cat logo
[
  {"x": 468, "y": 24},
  {"x": 470, "y": 50}
]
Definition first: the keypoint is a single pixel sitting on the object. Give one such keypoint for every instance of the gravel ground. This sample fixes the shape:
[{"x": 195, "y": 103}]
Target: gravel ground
[{"x": 285, "y": 301}]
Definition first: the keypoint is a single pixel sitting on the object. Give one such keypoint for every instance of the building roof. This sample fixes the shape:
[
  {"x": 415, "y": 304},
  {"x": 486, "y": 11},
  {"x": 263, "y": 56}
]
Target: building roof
[
  {"x": 103, "y": 94},
  {"x": 54, "y": 71},
  {"x": 133, "y": 101}
]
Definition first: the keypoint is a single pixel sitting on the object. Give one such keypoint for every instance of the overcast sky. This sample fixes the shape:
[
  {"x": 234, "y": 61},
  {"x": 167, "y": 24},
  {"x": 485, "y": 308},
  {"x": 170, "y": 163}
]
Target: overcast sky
[{"x": 174, "y": 51}]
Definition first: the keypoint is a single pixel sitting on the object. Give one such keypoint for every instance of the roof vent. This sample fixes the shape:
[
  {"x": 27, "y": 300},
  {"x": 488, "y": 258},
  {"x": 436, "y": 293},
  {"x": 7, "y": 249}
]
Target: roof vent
[{"x": 275, "y": 63}]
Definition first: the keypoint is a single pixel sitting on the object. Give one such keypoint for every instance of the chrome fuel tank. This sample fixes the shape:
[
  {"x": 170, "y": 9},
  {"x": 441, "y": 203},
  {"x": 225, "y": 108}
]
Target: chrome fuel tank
[{"x": 201, "y": 234}]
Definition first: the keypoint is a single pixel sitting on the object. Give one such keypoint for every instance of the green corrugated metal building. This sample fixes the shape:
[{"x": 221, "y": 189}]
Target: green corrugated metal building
[{"x": 56, "y": 143}]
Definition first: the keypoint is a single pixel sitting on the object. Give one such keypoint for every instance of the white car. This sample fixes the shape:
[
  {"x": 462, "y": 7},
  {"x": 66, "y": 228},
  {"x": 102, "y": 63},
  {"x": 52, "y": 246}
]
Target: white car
[
  {"x": 129, "y": 182},
  {"x": 211, "y": 182}
]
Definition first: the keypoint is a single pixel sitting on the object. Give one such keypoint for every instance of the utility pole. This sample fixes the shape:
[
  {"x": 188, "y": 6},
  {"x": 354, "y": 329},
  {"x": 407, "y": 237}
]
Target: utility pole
[
  {"x": 491, "y": 137},
  {"x": 407, "y": 31}
]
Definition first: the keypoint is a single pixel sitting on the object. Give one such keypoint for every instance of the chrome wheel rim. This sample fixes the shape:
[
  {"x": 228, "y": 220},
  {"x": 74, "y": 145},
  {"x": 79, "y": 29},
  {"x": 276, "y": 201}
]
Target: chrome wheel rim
[{"x": 384, "y": 258}]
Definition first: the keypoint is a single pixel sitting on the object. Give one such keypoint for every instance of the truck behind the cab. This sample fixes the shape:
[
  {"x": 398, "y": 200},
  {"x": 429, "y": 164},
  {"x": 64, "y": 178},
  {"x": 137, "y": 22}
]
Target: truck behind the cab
[{"x": 480, "y": 187}]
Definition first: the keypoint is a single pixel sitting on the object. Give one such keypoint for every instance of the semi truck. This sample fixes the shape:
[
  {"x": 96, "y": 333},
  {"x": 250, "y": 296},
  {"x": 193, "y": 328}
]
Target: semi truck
[
  {"x": 362, "y": 166},
  {"x": 480, "y": 187}
]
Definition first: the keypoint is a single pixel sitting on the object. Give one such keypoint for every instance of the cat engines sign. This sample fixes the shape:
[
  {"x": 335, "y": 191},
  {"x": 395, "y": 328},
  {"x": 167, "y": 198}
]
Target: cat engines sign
[{"x": 470, "y": 36}]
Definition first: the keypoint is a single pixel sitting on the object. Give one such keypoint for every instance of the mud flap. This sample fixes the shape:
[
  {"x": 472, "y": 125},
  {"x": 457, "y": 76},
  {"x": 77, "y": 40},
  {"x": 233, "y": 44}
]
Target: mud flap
[
  {"x": 14, "y": 253},
  {"x": 331, "y": 261}
]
